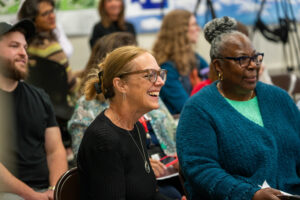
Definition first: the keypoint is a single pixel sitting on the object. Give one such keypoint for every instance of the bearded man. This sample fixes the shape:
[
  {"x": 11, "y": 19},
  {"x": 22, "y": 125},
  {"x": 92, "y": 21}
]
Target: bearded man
[{"x": 37, "y": 149}]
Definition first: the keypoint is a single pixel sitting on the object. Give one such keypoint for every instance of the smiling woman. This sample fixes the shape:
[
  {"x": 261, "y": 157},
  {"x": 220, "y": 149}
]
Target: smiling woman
[
  {"x": 238, "y": 132},
  {"x": 112, "y": 156}
]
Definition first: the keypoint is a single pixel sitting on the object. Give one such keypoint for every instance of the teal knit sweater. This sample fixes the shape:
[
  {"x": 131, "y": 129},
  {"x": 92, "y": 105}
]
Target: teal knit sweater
[{"x": 223, "y": 155}]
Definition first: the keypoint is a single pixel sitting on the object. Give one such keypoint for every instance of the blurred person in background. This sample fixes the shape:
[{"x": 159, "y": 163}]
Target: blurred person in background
[
  {"x": 61, "y": 36},
  {"x": 112, "y": 13},
  {"x": 45, "y": 43},
  {"x": 174, "y": 51}
]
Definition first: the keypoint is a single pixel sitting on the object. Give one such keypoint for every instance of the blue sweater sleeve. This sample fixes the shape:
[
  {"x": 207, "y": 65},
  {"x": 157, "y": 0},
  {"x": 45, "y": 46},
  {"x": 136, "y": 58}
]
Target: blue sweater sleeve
[
  {"x": 197, "y": 149},
  {"x": 173, "y": 93}
]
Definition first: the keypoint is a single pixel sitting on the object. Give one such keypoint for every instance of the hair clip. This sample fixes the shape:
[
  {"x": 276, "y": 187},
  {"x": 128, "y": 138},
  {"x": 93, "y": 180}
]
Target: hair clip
[
  {"x": 98, "y": 85},
  {"x": 97, "y": 88},
  {"x": 100, "y": 75}
]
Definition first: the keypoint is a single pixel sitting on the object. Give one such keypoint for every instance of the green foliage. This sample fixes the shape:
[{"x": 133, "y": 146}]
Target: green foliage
[
  {"x": 76, "y": 4},
  {"x": 10, "y": 7}
]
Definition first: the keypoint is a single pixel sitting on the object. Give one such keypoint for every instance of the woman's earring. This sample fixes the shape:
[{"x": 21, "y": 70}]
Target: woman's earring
[
  {"x": 220, "y": 76},
  {"x": 124, "y": 96}
]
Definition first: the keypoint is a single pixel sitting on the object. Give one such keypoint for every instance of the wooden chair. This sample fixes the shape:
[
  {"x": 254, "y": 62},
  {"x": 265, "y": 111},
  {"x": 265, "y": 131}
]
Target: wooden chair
[{"x": 68, "y": 186}]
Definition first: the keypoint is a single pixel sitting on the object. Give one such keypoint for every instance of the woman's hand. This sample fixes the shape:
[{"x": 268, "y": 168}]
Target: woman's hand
[
  {"x": 158, "y": 167},
  {"x": 266, "y": 194}
]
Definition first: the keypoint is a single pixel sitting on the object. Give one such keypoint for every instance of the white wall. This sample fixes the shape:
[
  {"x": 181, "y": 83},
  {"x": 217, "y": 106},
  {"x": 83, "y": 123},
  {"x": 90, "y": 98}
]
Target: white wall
[{"x": 273, "y": 51}]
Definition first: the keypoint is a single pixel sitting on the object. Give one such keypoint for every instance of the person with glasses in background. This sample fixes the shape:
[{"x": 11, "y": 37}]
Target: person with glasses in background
[
  {"x": 112, "y": 160},
  {"x": 45, "y": 43},
  {"x": 60, "y": 34},
  {"x": 46, "y": 46},
  {"x": 238, "y": 134}
]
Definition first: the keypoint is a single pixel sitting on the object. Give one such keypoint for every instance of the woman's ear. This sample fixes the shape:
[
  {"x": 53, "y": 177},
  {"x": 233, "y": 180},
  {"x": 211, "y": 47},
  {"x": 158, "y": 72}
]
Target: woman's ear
[
  {"x": 217, "y": 66},
  {"x": 120, "y": 85}
]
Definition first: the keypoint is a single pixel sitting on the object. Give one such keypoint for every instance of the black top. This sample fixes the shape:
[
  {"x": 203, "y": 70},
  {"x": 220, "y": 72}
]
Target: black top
[
  {"x": 111, "y": 166},
  {"x": 32, "y": 113},
  {"x": 100, "y": 31}
]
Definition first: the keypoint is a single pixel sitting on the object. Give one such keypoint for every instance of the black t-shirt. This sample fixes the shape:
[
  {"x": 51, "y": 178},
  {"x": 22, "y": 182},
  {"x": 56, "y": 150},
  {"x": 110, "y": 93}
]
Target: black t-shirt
[
  {"x": 99, "y": 31},
  {"x": 32, "y": 113},
  {"x": 111, "y": 166}
]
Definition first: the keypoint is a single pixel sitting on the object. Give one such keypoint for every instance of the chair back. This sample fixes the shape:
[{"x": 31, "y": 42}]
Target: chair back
[
  {"x": 68, "y": 186},
  {"x": 52, "y": 77},
  {"x": 288, "y": 82}
]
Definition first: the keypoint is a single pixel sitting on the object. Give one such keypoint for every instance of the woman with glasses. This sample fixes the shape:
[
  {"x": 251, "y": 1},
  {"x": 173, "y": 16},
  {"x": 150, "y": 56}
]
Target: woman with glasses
[
  {"x": 45, "y": 43},
  {"x": 238, "y": 134},
  {"x": 112, "y": 159}
]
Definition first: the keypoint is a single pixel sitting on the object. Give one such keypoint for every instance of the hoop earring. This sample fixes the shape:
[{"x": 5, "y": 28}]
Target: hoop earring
[{"x": 220, "y": 75}]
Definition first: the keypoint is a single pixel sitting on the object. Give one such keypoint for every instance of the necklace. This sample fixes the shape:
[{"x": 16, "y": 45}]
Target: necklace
[
  {"x": 221, "y": 92},
  {"x": 146, "y": 164}
]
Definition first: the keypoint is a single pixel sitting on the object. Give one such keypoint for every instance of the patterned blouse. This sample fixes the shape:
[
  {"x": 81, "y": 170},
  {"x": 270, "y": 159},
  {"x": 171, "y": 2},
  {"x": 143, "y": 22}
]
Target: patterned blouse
[{"x": 162, "y": 122}]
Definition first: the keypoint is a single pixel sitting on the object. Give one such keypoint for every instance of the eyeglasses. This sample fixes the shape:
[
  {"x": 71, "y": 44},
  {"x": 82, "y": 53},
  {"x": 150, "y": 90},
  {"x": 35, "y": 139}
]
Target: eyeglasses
[
  {"x": 151, "y": 74},
  {"x": 47, "y": 13},
  {"x": 245, "y": 61}
]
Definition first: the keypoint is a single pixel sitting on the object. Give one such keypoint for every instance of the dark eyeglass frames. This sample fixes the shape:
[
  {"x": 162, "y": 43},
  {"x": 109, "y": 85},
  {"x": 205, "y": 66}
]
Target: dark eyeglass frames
[
  {"x": 245, "y": 61},
  {"x": 47, "y": 13},
  {"x": 151, "y": 74}
]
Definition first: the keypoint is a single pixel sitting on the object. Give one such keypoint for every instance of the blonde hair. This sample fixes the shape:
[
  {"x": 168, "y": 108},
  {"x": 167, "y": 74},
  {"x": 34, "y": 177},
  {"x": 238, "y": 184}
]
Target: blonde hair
[
  {"x": 106, "y": 21},
  {"x": 114, "y": 65},
  {"x": 173, "y": 44}
]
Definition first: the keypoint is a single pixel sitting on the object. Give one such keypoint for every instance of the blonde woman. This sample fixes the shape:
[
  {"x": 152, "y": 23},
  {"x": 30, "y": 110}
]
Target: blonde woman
[
  {"x": 174, "y": 52},
  {"x": 112, "y": 159}
]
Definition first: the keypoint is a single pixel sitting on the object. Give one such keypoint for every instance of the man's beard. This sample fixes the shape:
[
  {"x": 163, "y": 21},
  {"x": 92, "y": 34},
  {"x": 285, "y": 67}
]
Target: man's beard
[{"x": 9, "y": 70}]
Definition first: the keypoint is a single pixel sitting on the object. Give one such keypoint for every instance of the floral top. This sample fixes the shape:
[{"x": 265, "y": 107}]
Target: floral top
[{"x": 162, "y": 122}]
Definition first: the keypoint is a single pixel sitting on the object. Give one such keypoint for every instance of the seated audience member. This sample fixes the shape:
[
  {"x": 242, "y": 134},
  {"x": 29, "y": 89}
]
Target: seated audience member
[
  {"x": 263, "y": 73},
  {"x": 238, "y": 133},
  {"x": 112, "y": 159},
  {"x": 61, "y": 37},
  {"x": 40, "y": 158},
  {"x": 212, "y": 76},
  {"x": 112, "y": 13},
  {"x": 161, "y": 121},
  {"x": 45, "y": 43},
  {"x": 174, "y": 52}
]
